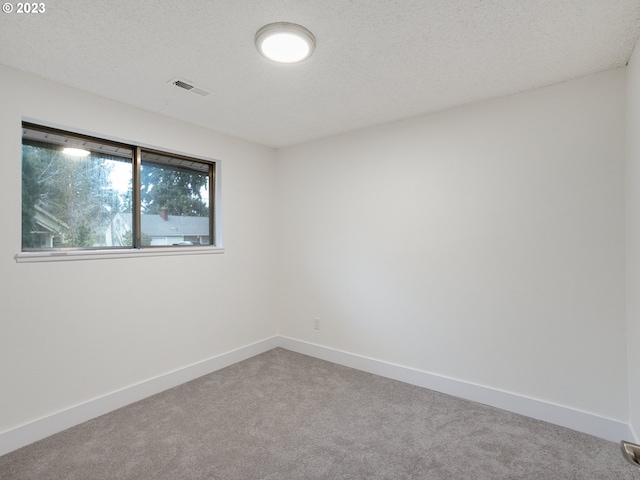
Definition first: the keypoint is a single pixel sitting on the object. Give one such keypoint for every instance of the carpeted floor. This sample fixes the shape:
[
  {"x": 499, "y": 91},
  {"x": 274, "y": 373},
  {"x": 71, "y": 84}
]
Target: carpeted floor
[{"x": 282, "y": 415}]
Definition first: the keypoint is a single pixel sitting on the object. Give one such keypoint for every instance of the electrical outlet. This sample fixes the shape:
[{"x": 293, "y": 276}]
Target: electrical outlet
[{"x": 316, "y": 323}]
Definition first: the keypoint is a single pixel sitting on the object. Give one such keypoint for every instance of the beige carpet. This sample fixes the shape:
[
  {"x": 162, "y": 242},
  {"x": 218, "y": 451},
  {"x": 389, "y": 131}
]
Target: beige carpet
[{"x": 282, "y": 415}]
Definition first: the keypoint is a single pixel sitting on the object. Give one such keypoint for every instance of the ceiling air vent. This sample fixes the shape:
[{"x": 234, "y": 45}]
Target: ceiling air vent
[{"x": 186, "y": 85}]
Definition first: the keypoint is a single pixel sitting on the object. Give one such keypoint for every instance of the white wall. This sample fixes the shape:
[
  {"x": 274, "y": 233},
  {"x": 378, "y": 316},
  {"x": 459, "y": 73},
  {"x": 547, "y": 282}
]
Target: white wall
[
  {"x": 485, "y": 243},
  {"x": 73, "y": 331},
  {"x": 633, "y": 236}
]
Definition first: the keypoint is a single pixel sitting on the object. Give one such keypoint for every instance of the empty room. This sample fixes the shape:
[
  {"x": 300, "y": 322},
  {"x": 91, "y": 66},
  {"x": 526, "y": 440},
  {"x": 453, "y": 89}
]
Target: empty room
[{"x": 405, "y": 246}]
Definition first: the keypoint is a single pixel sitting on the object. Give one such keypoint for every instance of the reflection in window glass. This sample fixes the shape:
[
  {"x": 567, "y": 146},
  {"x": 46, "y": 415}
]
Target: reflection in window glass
[{"x": 74, "y": 200}]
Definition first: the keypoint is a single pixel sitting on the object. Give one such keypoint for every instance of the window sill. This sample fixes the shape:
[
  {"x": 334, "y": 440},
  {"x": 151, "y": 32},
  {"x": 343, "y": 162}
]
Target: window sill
[{"x": 69, "y": 255}]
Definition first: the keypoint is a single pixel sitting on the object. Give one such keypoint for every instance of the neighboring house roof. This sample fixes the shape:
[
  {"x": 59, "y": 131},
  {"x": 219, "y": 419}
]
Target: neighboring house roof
[
  {"x": 174, "y": 225},
  {"x": 154, "y": 225}
]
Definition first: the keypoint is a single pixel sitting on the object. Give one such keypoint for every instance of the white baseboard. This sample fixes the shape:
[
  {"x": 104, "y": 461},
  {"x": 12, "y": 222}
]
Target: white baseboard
[
  {"x": 606, "y": 428},
  {"x": 585, "y": 422},
  {"x": 31, "y": 432}
]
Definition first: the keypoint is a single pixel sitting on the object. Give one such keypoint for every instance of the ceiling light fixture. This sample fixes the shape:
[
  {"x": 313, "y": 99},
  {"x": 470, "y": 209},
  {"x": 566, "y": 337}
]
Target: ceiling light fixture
[
  {"x": 285, "y": 42},
  {"x": 76, "y": 152}
]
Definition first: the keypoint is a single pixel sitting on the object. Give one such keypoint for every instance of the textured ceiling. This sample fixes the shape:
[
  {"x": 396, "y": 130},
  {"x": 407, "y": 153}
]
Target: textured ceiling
[{"x": 376, "y": 60}]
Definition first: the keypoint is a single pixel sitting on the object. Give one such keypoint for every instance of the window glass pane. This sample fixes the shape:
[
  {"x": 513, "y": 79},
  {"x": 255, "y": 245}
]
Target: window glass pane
[
  {"x": 74, "y": 200},
  {"x": 101, "y": 194},
  {"x": 174, "y": 196}
]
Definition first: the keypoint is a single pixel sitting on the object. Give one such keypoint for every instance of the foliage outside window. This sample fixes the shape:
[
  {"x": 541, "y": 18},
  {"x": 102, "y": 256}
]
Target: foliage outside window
[{"x": 106, "y": 195}]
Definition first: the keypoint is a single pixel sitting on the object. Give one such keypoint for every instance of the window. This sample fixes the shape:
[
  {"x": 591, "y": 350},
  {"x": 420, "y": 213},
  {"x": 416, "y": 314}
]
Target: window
[
  {"x": 83, "y": 193},
  {"x": 175, "y": 198}
]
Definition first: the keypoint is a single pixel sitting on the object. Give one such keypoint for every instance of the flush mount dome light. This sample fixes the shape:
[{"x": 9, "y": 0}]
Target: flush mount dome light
[
  {"x": 76, "y": 152},
  {"x": 285, "y": 42}
]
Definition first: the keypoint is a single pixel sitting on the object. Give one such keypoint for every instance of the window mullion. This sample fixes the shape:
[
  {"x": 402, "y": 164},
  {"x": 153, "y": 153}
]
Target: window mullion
[{"x": 137, "y": 207}]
